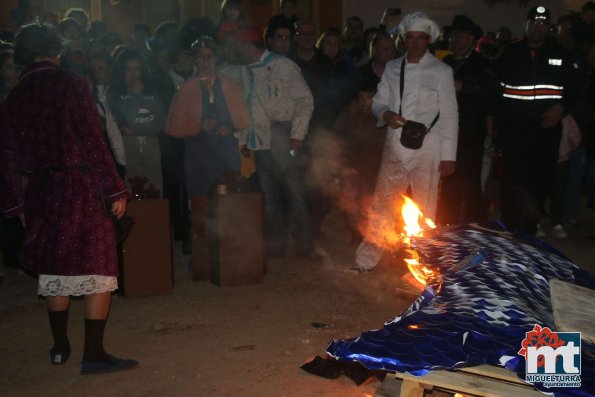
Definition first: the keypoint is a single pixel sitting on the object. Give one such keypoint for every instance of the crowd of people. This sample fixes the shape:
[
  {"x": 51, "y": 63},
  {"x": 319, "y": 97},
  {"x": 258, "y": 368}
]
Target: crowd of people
[{"x": 350, "y": 117}]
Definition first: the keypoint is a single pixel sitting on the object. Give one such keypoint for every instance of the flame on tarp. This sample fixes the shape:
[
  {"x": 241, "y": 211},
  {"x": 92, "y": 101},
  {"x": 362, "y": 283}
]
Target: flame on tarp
[
  {"x": 412, "y": 216},
  {"x": 395, "y": 232}
]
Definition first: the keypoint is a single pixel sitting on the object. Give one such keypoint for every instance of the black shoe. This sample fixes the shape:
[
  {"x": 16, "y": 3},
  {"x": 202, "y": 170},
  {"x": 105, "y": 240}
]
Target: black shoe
[
  {"x": 59, "y": 358},
  {"x": 112, "y": 364}
]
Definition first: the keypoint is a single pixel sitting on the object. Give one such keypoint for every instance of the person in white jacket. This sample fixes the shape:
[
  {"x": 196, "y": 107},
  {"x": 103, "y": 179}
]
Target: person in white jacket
[
  {"x": 428, "y": 92},
  {"x": 280, "y": 106}
]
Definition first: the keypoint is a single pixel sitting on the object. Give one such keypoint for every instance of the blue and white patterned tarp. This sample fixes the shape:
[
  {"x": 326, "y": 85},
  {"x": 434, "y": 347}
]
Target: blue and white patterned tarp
[{"x": 494, "y": 288}]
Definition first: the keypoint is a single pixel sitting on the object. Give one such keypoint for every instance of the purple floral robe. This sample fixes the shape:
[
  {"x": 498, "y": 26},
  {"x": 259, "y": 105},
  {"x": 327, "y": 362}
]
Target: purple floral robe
[{"x": 50, "y": 129}]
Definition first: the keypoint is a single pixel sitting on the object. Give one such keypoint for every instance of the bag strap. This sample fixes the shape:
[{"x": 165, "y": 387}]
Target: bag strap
[
  {"x": 402, "y": 85},
  {"x": 433, "y": 122}
]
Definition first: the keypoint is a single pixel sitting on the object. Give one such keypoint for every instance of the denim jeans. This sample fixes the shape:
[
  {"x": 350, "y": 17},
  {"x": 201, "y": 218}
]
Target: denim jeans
[
  {"x": 281, "y": 177},
  {"x": 576, "y": 174}
]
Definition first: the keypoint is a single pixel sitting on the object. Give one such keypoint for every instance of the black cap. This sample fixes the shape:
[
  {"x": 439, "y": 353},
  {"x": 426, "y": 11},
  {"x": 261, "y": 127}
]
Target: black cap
[
  {"x": 539, "y": 13},
  {"x": 463, "y": 22}
]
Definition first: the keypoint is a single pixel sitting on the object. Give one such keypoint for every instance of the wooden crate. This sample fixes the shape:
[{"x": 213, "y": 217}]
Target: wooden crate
[
  {"x": 236, "y": 239},
  {"x": 483, "y": 380},
  {"x": 147, "y": 251},
  {"x": 574, "y": 308}
]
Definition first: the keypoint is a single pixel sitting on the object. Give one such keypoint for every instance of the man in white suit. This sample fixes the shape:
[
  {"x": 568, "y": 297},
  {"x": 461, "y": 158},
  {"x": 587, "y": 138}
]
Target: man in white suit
[{"x": 428, "y": 97}]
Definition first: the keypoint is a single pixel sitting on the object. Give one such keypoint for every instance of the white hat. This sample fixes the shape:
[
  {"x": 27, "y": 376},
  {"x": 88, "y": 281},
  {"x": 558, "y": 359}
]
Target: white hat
[{"x": 419, "y": 22}]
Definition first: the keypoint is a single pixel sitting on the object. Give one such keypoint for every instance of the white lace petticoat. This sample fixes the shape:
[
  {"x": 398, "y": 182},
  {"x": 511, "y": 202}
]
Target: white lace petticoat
[{"x": 52, "y": 285}]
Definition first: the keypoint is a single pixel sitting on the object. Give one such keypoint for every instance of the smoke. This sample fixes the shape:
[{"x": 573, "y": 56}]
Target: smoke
[
  {"x": 324, "y": 150},
  {"x": 350, "y": 190}
]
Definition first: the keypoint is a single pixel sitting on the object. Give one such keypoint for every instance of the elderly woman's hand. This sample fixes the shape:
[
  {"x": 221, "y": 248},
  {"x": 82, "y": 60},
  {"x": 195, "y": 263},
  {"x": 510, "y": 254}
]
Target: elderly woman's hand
[{"x": 119, "y": 208}]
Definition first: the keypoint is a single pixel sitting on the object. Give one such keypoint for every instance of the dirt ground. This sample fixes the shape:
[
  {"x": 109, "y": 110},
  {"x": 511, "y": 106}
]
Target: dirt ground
[{"x": 203, "y": 340}]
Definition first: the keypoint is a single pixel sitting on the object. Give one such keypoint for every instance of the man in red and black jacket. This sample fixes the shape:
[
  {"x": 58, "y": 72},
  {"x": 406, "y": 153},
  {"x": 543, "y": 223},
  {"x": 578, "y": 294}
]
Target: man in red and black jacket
[{"x": 538, "y": 81}]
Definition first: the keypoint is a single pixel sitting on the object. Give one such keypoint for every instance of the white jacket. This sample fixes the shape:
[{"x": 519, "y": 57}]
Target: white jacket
[
  {"x": 428, "y": 89},
  {"x": 278, "y": 92}
]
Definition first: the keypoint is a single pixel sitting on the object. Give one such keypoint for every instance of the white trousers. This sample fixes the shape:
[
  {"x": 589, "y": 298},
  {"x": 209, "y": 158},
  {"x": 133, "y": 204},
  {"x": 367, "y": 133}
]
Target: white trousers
[{"x": 398, "y": 171}]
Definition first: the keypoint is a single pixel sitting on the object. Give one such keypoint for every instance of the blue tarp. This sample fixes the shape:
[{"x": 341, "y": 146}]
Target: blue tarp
[{"x": 492, "y": 291}]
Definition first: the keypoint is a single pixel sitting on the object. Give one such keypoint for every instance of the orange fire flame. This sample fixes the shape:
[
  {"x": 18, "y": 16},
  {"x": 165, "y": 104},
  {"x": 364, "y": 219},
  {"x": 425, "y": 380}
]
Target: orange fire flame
[
  {"x": 383, "y": 232},
  {"x": 412, "y": 228}
]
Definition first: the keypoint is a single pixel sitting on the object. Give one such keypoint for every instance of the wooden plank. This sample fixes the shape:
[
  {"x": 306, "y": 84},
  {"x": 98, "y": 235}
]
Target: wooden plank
[
  {"x": 494, "y": 372},
  {"x": 390, "y": 387},
  {"x": 574, "y": 308},
  {"x": 411, "y": 388},
  {"x": 470, "y": 383}
]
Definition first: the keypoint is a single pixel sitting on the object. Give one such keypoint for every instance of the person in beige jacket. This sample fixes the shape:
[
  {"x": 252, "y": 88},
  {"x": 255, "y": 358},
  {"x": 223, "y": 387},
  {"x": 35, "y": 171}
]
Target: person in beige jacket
[{"x": 280, "y": 105}]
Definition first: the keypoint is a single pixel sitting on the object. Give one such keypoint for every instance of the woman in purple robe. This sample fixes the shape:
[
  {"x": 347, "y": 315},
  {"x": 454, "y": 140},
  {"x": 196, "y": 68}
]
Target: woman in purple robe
[{"x": 50, "y": 131}]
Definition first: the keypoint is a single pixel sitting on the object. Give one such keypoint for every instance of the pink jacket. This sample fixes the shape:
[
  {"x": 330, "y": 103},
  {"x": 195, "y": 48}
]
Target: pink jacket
[{"x": 185, "y": 112}]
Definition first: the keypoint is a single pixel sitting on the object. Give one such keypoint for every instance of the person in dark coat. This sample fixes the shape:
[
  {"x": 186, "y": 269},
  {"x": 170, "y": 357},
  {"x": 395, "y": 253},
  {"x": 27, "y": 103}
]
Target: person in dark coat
[
  {"x": 286, "y": 17},
  {"x": 329, "y": 44},
  {"x": 539, "y": 86},
  {"x": 382, "y": 50},
  {"x": 318, "y": 72},
  {"x": 476, "y": 86},
  {"x": 50, "y": 130}
]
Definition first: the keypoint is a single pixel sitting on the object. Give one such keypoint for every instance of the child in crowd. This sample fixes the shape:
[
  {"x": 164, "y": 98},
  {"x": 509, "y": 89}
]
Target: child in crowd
[{"x": 232, "y": 15}]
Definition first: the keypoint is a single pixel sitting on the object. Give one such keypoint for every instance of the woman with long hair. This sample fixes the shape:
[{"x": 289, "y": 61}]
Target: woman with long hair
[
  {"x": 330, "y": 44},
  {"x": 140, "y": 113},
  {"x": 50, "y": 130}
]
